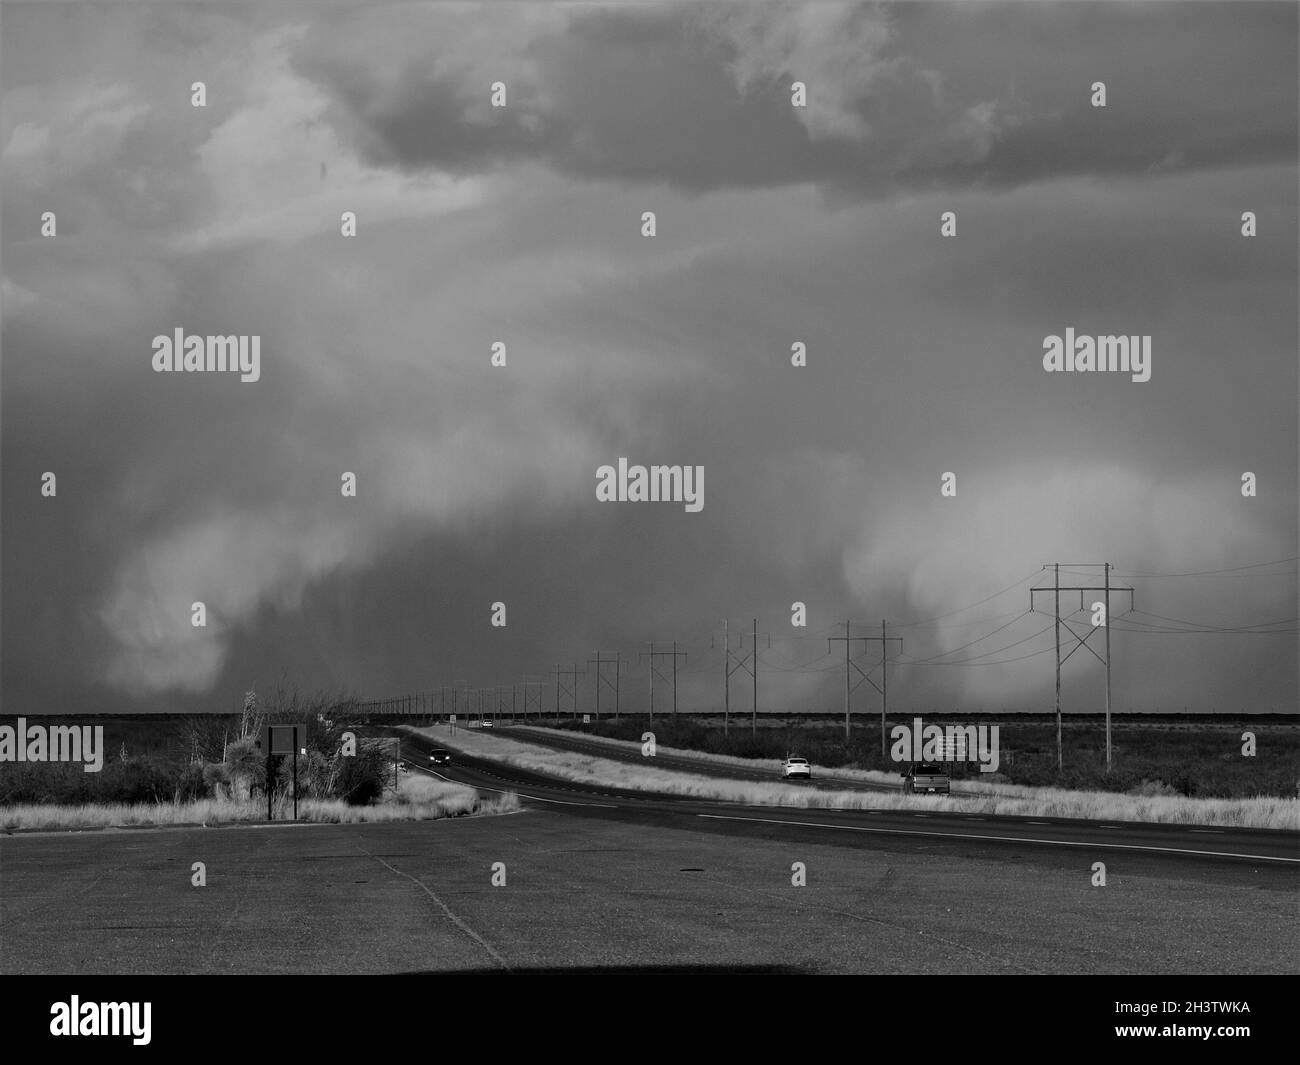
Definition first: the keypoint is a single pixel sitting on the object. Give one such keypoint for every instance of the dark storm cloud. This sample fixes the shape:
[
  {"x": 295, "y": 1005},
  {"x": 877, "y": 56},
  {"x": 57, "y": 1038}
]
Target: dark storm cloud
[
  {"x": 920, "y": 95},
  {"x": 477, "y": 484}
]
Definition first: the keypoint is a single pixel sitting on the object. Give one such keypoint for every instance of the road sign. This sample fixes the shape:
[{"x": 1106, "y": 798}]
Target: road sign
[
  {"x": 283, "y": 739},
  {"x": 586, "y": 719},
  {"x": 453, "y": 719}
]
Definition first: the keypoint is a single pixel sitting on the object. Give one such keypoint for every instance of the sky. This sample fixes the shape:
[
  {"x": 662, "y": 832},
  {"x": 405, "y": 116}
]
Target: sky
[{"x": 775, "y": 224}]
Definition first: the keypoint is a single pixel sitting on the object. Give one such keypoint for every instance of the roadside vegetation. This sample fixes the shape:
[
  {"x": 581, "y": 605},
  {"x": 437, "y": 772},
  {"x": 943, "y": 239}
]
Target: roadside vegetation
[
  {"x": 209, "y": 770},
  {"x": 1260, "y": 812},
  {"x": 417, "y": 799}
]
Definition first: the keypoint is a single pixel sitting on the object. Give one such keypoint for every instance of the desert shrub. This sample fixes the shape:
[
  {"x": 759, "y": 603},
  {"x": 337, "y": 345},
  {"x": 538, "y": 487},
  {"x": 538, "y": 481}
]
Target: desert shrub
[
  {"x": 217, "y": 777},
  {"x": 191, "y": 784},
  {"x": 245, "y": 765},
  {"x": 359, "y": 783},
  {"x": 363, "y": 777}
]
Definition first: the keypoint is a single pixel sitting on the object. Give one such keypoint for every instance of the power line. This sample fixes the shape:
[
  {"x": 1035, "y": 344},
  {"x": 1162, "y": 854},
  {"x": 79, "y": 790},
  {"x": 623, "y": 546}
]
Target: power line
[
  {"x": 960, "y": 609},
  {"x": 1199, "y": 627},
  {"x": 1211, "y": 572},
  {"x": 980, "y": 639},
  {"x": 992, "y": 661},
  {"x": 975, "y": 659}
]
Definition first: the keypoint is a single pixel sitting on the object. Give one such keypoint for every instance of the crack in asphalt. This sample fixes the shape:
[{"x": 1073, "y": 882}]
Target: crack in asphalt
[{"x": 445, "y": 909}]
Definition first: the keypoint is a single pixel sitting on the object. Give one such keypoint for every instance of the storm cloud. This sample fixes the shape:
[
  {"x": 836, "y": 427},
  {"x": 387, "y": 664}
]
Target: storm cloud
[{"x": 523, "y": 225}]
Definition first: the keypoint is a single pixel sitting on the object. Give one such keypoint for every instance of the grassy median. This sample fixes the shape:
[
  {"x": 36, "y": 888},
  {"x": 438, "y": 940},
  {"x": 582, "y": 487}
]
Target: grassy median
[{"x": 1010, "y": 800}]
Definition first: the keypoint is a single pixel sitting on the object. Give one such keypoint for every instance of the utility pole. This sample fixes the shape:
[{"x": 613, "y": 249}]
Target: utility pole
[
  {"x": 753, "y": 671},
  {"x": 532, "y": 684},
  {"x": 882, "y": 687},
  {"x": 1057, "y": 567},
  {"x": 652, "y": 678},
  {"x": 847, "y": 639},
  {"x": 1082, "y": 641},
  {"x": 727, "y": 670},
  {"x": 675, "y": 678},
  {"x": 1107, "y": 608},
  {"x": 573, "y": 675},
  {"x": 652, "y": 654},
  {"x": 742, "y": 662},
  {"x": 601, "y": 660}
]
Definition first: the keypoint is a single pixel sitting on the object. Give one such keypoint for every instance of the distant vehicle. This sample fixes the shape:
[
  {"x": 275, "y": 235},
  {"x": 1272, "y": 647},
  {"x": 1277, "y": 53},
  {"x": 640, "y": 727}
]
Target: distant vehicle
[
  {"x": 926, "y": 778},
  {"x": 440, "y": 756},
  {"x": 796, "y": 767},
  {"x": 486, "y": 724}
]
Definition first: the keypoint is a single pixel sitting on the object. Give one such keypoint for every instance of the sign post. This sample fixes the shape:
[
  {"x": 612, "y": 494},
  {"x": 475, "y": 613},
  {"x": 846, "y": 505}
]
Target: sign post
[{"x": 281, "y": 740}]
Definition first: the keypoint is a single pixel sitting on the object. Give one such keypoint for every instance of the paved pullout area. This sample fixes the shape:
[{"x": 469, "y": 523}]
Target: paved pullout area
[{"x": 588, "y": 888}]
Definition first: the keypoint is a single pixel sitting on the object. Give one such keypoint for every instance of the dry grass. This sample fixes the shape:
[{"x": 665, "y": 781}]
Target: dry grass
[
  {"x": 1013, "y": 800},
  {"x": 419, "y": 798},
  {"x": 866, "y": 776}
]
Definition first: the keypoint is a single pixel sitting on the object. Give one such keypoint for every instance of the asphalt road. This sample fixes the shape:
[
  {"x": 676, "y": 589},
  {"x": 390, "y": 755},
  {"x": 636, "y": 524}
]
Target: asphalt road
[
  {"x": 1184, "y": 842},
  {"x": 602, "y": 881}
]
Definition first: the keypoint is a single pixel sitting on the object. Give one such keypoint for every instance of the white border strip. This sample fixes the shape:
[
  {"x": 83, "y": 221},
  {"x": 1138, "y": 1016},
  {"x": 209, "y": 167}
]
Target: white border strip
[{"x": 1001, "y": 839}]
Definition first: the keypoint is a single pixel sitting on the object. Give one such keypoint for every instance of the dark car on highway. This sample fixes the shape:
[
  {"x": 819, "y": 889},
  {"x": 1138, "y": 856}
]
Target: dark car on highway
[
  {"x": 440, "y": 756},
  {"x": 926, "y": 778}
]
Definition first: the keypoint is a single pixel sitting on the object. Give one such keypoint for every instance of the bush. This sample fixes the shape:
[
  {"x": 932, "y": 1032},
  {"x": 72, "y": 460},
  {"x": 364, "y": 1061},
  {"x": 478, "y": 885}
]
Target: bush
[
  {"x": 192, "y": 783},
  {"x": 361, "y": 781},
  {"x": 216, "y": 776}
]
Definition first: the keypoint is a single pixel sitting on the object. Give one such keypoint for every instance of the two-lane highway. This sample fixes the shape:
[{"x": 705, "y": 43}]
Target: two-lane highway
[{"x": 959, "y": 832}]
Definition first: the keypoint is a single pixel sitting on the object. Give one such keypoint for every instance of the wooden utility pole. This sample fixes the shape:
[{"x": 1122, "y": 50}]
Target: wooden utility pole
[
  {"x": 847, "y": 639},
  {"x": 599, "y": 661},
  {"x": 882, "y": 687},
  {"x": 573, "y": 675},
  {"x": 1082, "y": 641},
  {"x": 727, "y": 670},
  {"x": 1057, "y": 567},
  {"x": 652, "y": 654}
]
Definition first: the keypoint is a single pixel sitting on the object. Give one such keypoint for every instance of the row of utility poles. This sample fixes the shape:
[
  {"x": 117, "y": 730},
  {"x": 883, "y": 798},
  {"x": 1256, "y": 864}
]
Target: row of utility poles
[
  {"x": 608, "y": 667},
  {"x": 566, "y": 679}
]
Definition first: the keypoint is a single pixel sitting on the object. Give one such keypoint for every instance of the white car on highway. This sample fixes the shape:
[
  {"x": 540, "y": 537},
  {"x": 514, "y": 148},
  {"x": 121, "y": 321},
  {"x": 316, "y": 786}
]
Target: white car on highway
[{"x": 796, "y": 767}]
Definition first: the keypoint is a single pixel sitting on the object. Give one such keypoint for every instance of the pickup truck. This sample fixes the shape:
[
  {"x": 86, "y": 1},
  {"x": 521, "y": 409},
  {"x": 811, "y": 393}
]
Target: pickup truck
[{"x": 926, "y": 778}]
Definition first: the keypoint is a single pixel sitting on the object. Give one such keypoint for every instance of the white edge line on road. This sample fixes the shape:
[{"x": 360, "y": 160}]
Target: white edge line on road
[
  {"x": 1000, "y": 839},
  {"x": 538, "y": 798},
  {"x": 499, "y": 791}
]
